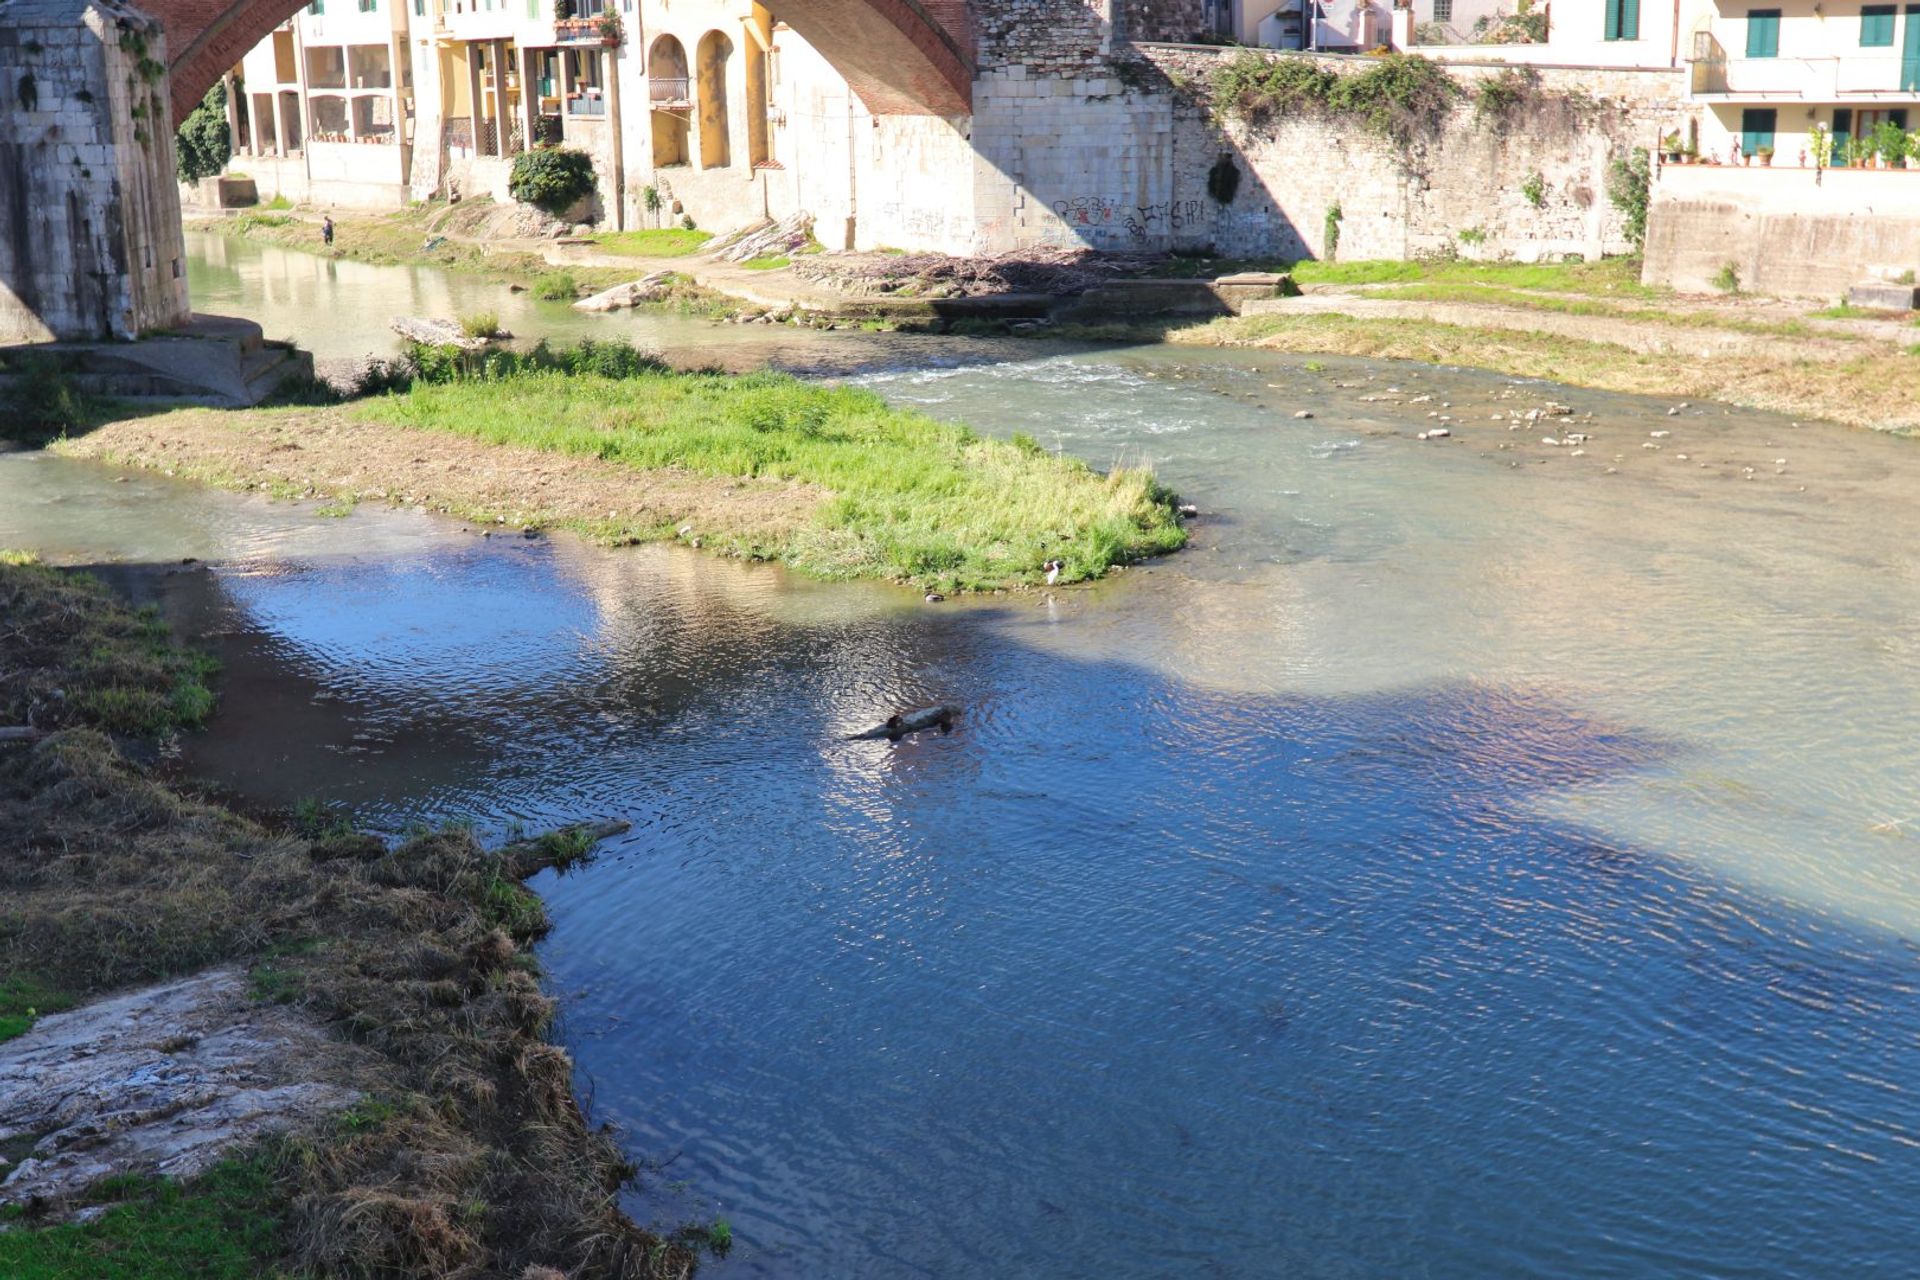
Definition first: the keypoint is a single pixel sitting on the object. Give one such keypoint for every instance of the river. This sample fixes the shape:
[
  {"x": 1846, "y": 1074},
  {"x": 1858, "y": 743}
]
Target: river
[{"x": 1471, "y": 858}]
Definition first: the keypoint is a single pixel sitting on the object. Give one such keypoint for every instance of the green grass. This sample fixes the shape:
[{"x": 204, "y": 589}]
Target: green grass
[
  {"x": 665, "y": 242},
  {"x": 23, "y": 999},
  {"x": 556, "y": 286},
  {"x": 224, "y": 1226},
  {"x": 773, "y": 263},
  {"x": 278, "y": 202},
  {"x": 1847, "y": 311},
  {"x": 1610, "y": 277},
  {"x": 911, "y": 498}
]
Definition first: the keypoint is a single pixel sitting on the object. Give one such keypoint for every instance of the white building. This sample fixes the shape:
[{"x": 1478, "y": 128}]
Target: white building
[{"x": 328, "y": 101}]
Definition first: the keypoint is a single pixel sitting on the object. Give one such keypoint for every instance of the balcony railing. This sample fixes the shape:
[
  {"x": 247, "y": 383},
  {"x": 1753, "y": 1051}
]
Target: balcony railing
[
  {"x": 582, "y": 105},
  {"x": 578, "y": 31},
  {"x": 669, "y": 91},
  {"x": 1822, "y": 79}
]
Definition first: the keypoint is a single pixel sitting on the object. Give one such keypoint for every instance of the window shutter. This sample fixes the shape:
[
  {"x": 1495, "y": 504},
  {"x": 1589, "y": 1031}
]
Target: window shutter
[
  {"x": 1613, "y": 19},
  {"x": 1629, "y": 19}
]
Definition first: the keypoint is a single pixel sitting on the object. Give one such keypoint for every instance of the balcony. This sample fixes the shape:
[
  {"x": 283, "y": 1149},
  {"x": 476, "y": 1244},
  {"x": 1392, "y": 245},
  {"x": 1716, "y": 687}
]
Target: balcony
[
  {"x": 1831, "y": 78},
  {"x": 584, "y": 104},
  {"x": 670, "y": 91},
  {"x": 577, "y": 31}
]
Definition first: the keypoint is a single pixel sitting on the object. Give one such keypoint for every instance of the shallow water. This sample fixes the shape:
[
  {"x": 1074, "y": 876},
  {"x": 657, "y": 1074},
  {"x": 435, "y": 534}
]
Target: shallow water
[{"x": 1468, "y": 859}]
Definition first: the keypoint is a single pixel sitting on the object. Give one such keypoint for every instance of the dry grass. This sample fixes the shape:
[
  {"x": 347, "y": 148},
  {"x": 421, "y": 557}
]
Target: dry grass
[
  {"x": 1853, "y": 384},
  {"x": 478, "y": 1160}
]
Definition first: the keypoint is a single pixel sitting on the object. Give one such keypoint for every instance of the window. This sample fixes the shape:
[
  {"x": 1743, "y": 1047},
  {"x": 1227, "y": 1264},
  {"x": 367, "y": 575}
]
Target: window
[
  {"x": 1623, "y": 19},
  {"x": 1756, "y": 129},
  {"x": 317, "y": 8},
  {"x": 1763, "y": 33},
  {"x": 369, "y": 6},
  {"x": 1876, "y": 26},
  {"x": 1443, "y": 10}
]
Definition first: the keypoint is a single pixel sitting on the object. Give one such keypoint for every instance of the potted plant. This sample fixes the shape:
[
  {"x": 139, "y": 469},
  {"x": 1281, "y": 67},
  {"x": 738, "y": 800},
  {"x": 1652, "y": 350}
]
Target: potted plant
[
  {"x": 1765, "y": 156},
  {"x": 1820, "y": 142},
  {"x": 1890, "y": 144},
  {"x": 1671, "y": 147},
  {"x": 612, "y": 30}
]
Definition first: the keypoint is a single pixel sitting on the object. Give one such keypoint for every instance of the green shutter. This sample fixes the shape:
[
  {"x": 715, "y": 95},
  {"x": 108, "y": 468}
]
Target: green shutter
[
  {"x": 1613, "y": 19},
  {"x": 1910, "y": 52},
  {"x": 1763, "y": 33},
  {"x": 1756, "y": 129},
  {"x": 1629, "y": 19},
  {"x": 1876, "y": 26}
]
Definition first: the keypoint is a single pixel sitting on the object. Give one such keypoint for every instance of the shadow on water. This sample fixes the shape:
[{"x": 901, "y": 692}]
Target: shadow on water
[{"x": 1126, "y": 977}]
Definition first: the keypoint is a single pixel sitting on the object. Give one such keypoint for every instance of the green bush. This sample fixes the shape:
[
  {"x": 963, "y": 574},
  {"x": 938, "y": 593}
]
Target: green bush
[
  {"x": 556, "y": 286},
  {"x": 1629, "y": 191},
  {"x": 1397, "y": 95},
  {"x": 551, "y": 178},
  {"x": 202, "y": 143}
]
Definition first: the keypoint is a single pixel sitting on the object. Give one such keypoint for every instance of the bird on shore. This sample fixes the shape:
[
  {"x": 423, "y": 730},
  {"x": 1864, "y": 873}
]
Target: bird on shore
[{"x": 1053, "y": 568}]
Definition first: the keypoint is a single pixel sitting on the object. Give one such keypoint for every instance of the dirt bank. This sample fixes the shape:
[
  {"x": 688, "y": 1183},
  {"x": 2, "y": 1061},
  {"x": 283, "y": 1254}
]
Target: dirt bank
[
  {"x": 1864, "y": 383},
  {"x": 467, "y": 1154}
]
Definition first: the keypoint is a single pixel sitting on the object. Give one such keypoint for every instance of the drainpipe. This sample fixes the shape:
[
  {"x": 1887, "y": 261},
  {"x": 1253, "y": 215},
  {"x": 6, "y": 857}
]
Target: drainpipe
[{"x": 1676, "y": 34}]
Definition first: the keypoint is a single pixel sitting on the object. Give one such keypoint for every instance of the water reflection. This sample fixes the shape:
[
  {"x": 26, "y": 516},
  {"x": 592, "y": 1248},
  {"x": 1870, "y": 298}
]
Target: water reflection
[{"x": 1471, "y": 858}]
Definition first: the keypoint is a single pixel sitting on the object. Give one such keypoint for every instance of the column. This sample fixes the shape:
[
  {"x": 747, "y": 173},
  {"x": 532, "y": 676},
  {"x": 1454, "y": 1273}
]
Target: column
[
  {"x": 529, "y": 94},
  {"x": 502, "y": 110},
  {"x": 233, "y": 112},
  {"x": 474, "y": 101}
]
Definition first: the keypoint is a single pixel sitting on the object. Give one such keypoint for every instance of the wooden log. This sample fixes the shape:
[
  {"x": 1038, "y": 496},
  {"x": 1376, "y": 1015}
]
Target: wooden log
[
  {"x": 562, "y": 847},
  {"x": 19, "y": 733},
  {"x": 895, "y": 727}
]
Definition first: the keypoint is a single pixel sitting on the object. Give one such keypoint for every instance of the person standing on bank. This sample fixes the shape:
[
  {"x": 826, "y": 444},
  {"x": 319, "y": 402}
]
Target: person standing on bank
[{"x": 326, "y": 229}]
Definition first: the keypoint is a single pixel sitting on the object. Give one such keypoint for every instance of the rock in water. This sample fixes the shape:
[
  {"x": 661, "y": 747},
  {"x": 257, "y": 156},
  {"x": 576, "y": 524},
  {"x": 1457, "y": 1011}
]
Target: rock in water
[{"x": 631, "y": 294}]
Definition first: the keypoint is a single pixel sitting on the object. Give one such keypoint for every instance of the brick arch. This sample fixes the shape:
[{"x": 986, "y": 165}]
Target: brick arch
[{"x": 903, "y": 57}]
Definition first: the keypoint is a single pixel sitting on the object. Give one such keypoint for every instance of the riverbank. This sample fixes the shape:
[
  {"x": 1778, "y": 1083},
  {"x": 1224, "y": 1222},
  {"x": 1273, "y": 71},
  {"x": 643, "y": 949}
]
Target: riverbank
[
  {"x": 1859, "y": 382},
  {"x": 609, "y": 444},
  {"x": 464, "y": 1150}
]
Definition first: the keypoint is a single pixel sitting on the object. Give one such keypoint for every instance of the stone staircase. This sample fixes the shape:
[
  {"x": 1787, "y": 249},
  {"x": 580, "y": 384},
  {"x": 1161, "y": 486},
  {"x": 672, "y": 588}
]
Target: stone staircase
[{"x": 216, "y": 360}]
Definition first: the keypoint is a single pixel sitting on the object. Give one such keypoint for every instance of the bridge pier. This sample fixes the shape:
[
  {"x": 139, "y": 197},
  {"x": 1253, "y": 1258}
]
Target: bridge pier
[{"x": 90, "y": 239}]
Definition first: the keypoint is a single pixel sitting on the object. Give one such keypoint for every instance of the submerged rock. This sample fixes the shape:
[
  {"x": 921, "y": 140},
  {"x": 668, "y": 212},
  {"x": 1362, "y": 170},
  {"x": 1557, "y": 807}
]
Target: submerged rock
[{"x": 631, "y": 294}]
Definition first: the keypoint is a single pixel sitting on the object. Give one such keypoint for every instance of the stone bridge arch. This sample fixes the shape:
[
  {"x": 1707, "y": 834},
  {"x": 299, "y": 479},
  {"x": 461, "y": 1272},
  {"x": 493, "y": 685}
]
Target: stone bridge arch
[{"x": 903, "y": 57}]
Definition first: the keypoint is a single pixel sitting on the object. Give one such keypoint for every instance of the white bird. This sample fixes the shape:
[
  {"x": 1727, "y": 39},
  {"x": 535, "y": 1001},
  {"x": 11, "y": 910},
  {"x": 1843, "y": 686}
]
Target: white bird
[{"x": 1053, "y": 568}]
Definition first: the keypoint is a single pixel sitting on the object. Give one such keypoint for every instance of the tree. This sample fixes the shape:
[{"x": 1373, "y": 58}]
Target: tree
[
  {"x": 203, "y": 144},
  {"x": 1630, "y": 192}
]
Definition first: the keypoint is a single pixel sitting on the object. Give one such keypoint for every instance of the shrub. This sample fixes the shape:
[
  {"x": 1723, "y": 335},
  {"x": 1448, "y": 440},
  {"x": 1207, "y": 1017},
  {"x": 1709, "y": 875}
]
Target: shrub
[
  {"x": 1398, "y": 95},
  {"x": 1535, "y": 189},
  {"x": 556, "y": 286},
  {"x": 1331, "y": 230},
  {"x": 1629, "y": 191},
  {"x": 551, "y": 178},
  {"x": 202, "y": 143},
  {"x": 1501, "y": 95},
  {"x": 43, "y": 404},
  {"x": 1727, "y": 278},
  {"x": 480, "y": 324}
]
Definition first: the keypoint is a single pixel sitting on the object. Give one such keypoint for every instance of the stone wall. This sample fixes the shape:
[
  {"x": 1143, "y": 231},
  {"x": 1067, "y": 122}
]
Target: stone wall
[
  {"x": 90, "y": 241},
  {"x": 1785, "y": 231},
  {"x": 1120, "y": 159}
]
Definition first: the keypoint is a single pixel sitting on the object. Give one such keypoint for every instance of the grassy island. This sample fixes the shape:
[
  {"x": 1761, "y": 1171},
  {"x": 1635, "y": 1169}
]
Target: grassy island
[{"x": 612, "y": 444}]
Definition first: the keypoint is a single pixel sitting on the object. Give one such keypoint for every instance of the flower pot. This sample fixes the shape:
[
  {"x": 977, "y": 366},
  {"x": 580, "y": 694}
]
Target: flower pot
[{"x": 1766, "y": 159}]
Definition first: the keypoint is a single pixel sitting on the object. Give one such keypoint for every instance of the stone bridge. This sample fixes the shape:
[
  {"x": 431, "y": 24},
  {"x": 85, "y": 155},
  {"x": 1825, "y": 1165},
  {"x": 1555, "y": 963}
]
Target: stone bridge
[{"x": 903, "y": 57}]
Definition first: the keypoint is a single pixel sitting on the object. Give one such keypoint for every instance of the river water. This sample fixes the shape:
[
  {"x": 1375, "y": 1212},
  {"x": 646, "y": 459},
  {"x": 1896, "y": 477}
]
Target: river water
[{"x": 1468, "y": 859}]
